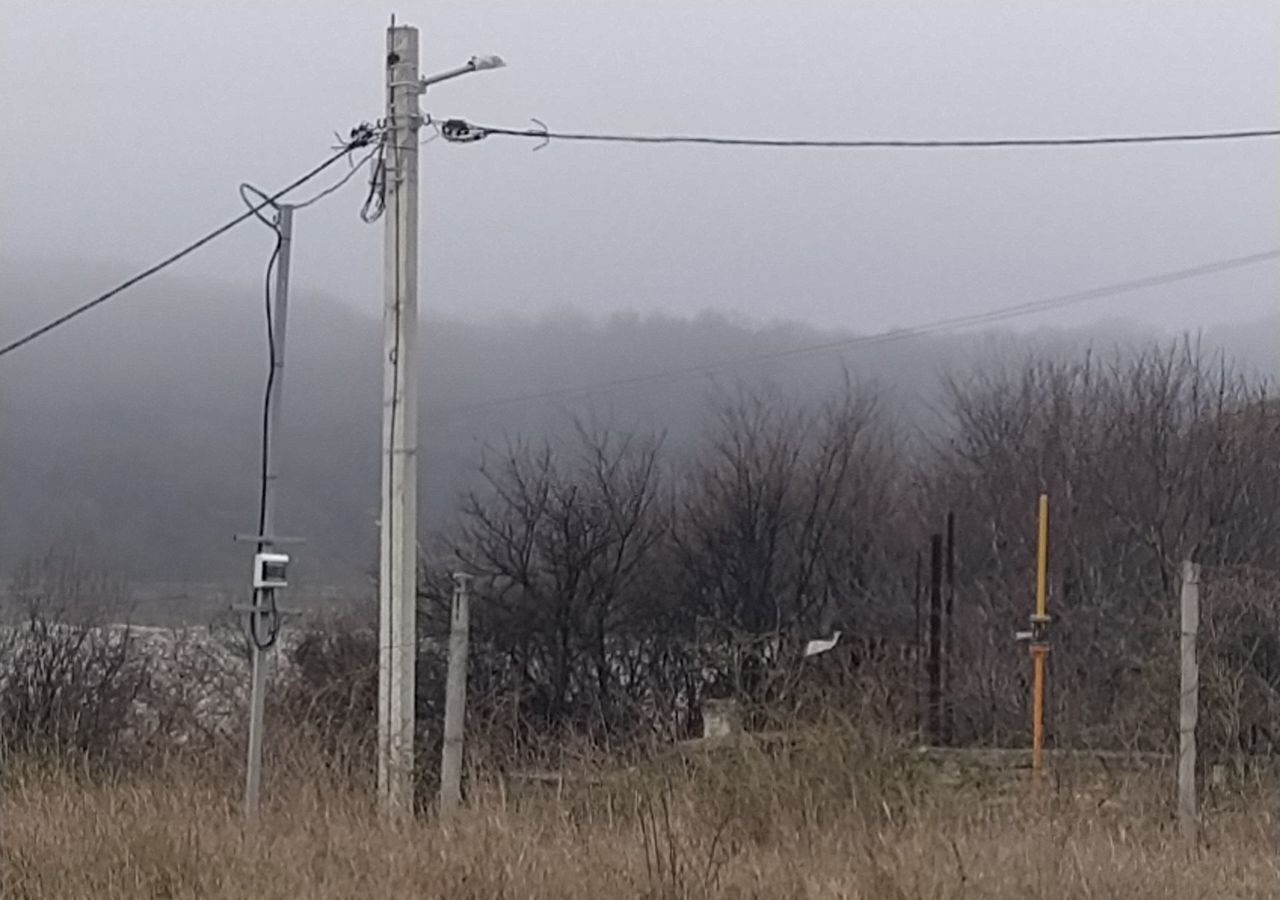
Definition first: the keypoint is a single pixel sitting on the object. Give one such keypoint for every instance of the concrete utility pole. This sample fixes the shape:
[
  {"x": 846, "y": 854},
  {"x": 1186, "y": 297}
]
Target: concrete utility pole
[
  {"x": 398, "y": 551},
  {"x": 455, "y": 698},
  {"x": 397, "y": 581},
  {"x": 1189, "y": 704},
  {"x": 264, "y": 614}
]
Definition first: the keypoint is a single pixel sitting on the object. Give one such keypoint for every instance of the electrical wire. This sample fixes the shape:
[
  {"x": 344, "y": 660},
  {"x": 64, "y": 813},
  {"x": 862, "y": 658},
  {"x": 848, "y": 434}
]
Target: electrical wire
[
  {"x": 462, "y": 131},
  {"x": 272, "y": 613},
  {"x": 246, "y": 189},
  {"x": 951, "y": 323},
  {"x": 337, "y": 185},
  {"x": 389, "y": 524},
  {"x": 375, "y": 202},
  {"x": 360, "y": 137}
]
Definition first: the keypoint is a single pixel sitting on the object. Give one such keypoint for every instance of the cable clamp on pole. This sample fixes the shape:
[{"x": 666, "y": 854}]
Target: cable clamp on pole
[
  {"x": 1038, "y": 636},
  {"x": 459, "y": 131}
]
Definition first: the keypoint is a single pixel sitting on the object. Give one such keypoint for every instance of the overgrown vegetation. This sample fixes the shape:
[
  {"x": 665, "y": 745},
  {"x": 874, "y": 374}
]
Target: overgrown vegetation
[
  {"x": 623, "y": 582},
  {"x": 837, "y": 815}
]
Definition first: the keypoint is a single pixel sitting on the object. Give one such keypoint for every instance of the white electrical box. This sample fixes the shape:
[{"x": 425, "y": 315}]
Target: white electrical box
[{"x": 270, "y": 570}]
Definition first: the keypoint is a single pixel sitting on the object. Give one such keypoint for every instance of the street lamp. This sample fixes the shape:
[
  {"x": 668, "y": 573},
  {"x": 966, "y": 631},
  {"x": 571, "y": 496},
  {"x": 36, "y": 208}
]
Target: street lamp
[{"x": 474, "y": 64}]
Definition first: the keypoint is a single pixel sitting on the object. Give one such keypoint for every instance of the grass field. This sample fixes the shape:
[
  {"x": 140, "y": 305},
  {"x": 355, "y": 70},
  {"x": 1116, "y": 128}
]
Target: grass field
[{"x": 835, "y": 818}]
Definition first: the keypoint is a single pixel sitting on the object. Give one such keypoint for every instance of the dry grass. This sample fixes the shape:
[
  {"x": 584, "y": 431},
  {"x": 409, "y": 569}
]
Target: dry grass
[{"x": 818, "y": 821}]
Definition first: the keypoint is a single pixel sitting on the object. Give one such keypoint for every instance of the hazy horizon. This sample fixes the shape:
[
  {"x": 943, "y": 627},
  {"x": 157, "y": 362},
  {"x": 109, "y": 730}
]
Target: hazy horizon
[
  {"x": 135, "y": 431},
  {"x": 584, "y": 264}
]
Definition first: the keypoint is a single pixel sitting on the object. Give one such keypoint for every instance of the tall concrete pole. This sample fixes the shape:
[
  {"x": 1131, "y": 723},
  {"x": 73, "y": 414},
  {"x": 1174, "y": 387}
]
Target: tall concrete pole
[
  {"x": 397, "y": 582},
  {"x": 264, "y": 616}
]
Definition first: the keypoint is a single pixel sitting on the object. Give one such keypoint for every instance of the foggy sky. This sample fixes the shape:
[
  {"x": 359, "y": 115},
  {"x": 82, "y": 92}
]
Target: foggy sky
[{"x": 132, "y": 123}]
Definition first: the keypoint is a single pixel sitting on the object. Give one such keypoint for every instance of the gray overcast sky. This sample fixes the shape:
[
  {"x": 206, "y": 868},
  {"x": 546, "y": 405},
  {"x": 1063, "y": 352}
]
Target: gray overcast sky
[{"x": 130, "y": 125}]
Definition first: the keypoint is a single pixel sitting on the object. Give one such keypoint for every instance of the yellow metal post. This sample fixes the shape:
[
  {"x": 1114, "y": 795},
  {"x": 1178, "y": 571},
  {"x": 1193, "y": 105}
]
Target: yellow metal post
[
  {"x": 1042, "y": 559},
  {"x": 1039, "y": 638}
]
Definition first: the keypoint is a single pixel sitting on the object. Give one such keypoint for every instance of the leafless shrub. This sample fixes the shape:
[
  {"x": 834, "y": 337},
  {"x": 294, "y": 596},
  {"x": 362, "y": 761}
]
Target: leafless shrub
[
  {"x": 195, "y": 698},
  {"x": 333, "y": 685},
  {"x": 326, "y": 699},
  {"x": 68, "y": 686},
  {"x": 1240, "y": 663}
]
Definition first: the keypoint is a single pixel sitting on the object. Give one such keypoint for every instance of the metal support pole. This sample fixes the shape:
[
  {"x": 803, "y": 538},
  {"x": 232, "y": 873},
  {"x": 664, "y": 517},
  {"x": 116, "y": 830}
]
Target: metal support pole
[
  {"x": 918, "y": 662},
  {"x": 935, "y": 638},
  {"x": 263, "y": 617},
  {"x": 1040, "y": 638},
  {"x": 455, "y": 700},
  {"x": 1189, "y": 704},
  {"x": 949, "y": 636},
  {"x": 397, "y": 582}
]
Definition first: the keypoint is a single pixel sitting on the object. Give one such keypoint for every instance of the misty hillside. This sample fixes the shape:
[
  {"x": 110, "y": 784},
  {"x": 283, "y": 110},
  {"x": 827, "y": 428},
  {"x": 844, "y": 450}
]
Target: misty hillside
[{"x": 134, "y": 432}]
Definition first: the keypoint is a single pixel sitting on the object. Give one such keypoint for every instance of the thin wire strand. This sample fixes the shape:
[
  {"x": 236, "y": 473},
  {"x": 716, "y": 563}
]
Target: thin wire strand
[
  {"x": 461, "y": 131},
  {"x": 263, "y": 201},
  {"x": 358, "y": 141},
  {"x": 927, "y": 328},
  {"x": 266, "y": 397},
  {"x": 389, "y": 525},
  {"x": 337, "y": 185},
  {"x": 375, "y": 202}
]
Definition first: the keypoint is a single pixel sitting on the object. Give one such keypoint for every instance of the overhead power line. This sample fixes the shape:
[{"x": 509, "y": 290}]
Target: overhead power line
[
  {"x": 462, "y": 131},
  {"x": 360, "y": 137},
  {"x": 951, "y": 323}
]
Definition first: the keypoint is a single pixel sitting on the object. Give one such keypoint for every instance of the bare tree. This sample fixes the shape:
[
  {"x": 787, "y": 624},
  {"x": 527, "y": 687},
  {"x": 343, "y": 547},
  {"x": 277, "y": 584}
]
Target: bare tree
[
  {"x": 783, "y": 521},
  {"x": 565, "y": 548}
]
